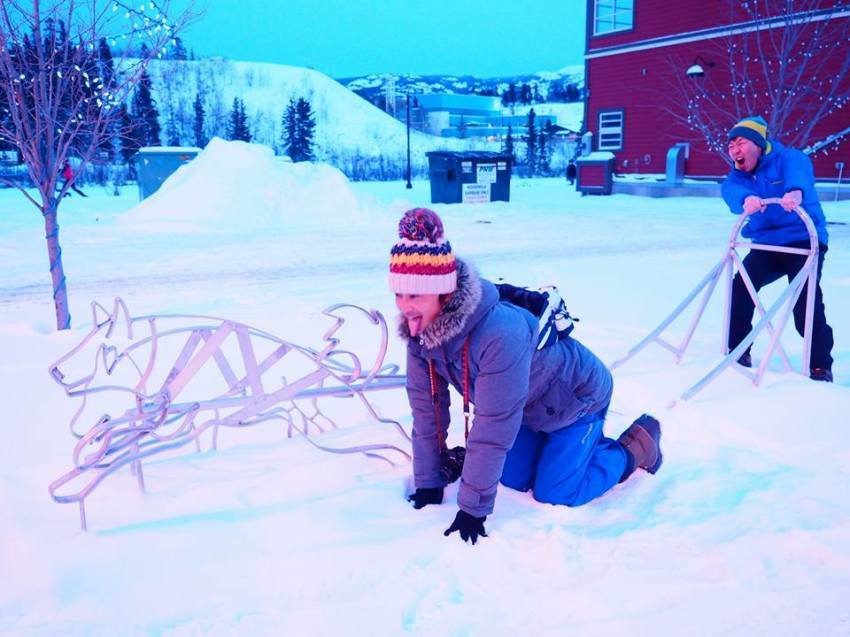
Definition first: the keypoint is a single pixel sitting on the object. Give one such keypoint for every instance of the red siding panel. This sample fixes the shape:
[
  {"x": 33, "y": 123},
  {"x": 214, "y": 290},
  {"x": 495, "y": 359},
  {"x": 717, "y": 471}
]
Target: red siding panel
[{"x": 657, "y": 18}]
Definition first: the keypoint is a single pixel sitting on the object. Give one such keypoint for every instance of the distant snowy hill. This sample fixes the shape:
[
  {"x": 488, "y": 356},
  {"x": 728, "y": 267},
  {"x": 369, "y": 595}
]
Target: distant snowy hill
[
  {"x": 549, "y": 84},
  {"x": 351, "y": 133},
  {"x": 558, "y": 93}
]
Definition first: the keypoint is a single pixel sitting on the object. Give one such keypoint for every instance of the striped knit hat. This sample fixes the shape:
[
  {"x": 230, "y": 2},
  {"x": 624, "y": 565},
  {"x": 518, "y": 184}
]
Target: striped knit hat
[
  {"x": 753, "y": 128},
  {"x": 421, "y": 262}
]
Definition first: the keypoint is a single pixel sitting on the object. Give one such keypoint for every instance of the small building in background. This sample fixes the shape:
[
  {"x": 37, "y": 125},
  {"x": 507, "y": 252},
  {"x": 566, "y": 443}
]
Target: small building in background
[
  {"x": 155, "y": 164},
  {"x": 453, "y": 115}
]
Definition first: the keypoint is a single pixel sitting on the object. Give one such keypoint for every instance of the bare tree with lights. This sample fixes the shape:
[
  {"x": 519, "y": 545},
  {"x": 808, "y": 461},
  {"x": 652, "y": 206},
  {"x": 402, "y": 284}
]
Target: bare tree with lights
[
  {"x": 777, "y": 70},
  {"x": 60, "y": 99}
]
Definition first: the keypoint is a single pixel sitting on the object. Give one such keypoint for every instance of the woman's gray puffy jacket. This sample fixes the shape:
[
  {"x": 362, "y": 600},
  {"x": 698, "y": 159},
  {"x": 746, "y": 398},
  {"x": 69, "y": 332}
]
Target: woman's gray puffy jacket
[{"x": 511, "y": 383}]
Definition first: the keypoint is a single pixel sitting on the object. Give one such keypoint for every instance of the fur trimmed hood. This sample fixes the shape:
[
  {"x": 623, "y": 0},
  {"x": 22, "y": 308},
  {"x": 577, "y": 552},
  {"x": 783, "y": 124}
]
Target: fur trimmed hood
[{"x": 454, "y": 317}]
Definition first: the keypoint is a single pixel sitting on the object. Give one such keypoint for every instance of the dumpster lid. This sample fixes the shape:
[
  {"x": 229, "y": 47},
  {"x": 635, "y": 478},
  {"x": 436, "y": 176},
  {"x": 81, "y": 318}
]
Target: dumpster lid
[{"x": 469, "y": 154}]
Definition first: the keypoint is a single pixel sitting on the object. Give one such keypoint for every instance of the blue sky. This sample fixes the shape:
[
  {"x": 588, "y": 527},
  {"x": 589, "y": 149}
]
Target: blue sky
[{"x": 354, "y": 37}]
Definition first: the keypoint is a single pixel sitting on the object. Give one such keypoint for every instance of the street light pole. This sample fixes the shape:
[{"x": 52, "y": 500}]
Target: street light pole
[{"x": 409, "y": 185}]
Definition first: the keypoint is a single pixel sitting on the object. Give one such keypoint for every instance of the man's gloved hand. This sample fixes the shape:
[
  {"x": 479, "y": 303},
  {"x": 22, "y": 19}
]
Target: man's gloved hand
[
  {"x": 753, "y": 204},
  {"x": 424, "y": 497},
  {"x": 469, "y": 526}
]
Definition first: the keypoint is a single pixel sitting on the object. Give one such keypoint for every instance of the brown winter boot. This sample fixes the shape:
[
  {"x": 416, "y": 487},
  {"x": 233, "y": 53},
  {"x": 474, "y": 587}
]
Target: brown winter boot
[{"x": 641, "y": 441}]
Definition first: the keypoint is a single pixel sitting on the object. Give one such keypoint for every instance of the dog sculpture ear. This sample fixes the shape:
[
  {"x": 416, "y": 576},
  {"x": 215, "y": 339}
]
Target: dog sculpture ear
[
  {"x": 102, "y": 317},
  {"x": 120, "y": 318}
]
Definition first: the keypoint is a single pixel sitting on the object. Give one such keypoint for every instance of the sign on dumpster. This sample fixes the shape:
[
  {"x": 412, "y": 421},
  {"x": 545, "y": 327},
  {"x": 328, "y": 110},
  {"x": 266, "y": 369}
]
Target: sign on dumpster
[
  {"x": 475, "y": 193},
  {"x": 486, "y": 174}
]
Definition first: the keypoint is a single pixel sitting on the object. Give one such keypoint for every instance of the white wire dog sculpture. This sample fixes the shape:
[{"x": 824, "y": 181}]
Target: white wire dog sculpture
[{"x": 190, "y": 374}]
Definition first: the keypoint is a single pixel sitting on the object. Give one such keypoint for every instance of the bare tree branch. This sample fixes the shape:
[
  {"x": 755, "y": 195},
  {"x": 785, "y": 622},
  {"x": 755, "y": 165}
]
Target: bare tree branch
[{"x": 775, "y": 67}]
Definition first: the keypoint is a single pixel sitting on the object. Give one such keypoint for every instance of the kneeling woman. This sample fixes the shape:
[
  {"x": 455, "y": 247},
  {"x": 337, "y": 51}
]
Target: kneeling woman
[{"x": 538, "y": 413}]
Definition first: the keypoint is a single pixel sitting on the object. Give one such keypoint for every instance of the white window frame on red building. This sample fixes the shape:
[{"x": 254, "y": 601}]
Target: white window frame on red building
[
  {"x": 607, "y": 131},
  {"x": 617, "y": 14}
]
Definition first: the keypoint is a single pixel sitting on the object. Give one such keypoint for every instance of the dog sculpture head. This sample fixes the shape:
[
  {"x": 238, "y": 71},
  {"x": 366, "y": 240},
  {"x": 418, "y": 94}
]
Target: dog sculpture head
[{"x": 98, "y": 350}]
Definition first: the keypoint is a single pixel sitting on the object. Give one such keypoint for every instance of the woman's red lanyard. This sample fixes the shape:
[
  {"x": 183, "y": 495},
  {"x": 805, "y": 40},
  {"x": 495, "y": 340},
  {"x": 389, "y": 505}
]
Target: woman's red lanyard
[{"x": 432, "y": 375}]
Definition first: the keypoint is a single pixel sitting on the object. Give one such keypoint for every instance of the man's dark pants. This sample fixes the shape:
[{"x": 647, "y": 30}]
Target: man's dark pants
[{"x": 766, "y": 267}]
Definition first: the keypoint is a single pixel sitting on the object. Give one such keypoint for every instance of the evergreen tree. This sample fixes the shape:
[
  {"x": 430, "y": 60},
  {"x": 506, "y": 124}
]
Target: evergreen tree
[
  {"x": 145, "y": 113},
  {"x": 198, "y": 126},
  {"x": 179, "y": 51},
  {"x": 461, "y": 128},
  {"x": 543, "y": 152},
  {"x": 531, "y": 142},
  {"x": 128, "y": 135},
  {"x": 107, "y": 64},
  {"x": 306, "y": 128},
  {"x": 535, "y": 94},
  {"x": 509, "y": 98},
  {"x": 288, "y": 129},
  {"x": 525, "y": 94},
  {"x": 172, "y": 134},
  {"x": 299, "y": 126},
  {"x": 508, "y": 144},
  {"x": 237, "y": 126},
  {"x": 106, "y": 69},
  {"x": 61, "y": 34}
]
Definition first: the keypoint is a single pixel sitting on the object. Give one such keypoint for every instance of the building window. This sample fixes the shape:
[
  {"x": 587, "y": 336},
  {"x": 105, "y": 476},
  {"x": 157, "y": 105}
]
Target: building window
[
  {"x": 612, "y": 15},
  {"x": 610, "y": 130}
]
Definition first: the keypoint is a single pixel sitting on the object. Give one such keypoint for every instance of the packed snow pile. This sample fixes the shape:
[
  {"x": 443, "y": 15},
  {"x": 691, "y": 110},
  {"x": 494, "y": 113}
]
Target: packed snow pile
[{"x": 232, "y": 185}]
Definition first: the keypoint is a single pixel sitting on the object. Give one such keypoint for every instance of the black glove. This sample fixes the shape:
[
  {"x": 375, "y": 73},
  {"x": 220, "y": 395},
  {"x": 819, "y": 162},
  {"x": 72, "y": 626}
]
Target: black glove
[
  {"x": 423, "y": 497},
  {"x": 451, "y": 464},
  {"x": 469, "y": 526}
]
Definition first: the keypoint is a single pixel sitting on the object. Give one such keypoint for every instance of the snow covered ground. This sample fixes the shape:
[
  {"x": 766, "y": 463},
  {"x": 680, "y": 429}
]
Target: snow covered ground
[{"x": 744, "y": 531}]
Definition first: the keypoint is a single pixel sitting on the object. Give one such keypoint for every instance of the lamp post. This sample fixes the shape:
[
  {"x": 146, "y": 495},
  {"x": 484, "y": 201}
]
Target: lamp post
[{"x": 409, "y": 185}]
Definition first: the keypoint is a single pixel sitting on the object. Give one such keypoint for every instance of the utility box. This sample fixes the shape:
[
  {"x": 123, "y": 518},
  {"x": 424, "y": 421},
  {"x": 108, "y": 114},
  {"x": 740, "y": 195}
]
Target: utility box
[
  {"x": 595, "y": 173},
  {"x": 676, "y": 157},
  {"x": 155, "y": 164},
  {"x": 469, "y": 176}
]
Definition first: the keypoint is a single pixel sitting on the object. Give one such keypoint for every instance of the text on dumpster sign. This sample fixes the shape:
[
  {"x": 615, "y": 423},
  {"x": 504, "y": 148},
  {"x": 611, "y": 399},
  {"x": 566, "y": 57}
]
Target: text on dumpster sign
[
  {"x": 475, "y": 193},
  {"x": 486, "y": 174}
]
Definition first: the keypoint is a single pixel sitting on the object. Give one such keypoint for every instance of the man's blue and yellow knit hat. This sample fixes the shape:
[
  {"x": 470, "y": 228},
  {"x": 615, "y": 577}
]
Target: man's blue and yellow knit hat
[{"x": 753, "y": 128}]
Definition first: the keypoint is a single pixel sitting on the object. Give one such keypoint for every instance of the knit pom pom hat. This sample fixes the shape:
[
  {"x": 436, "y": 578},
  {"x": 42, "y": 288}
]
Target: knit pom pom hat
[
  {"x": 753, "y": 128},
  {"x": 421, "y": 262}
]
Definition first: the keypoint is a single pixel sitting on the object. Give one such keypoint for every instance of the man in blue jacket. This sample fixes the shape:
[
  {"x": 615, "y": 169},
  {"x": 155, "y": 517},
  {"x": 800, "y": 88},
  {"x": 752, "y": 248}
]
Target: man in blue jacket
[
  {"x": 538, "y": 412},
  {"x": 764, "y": 168}
]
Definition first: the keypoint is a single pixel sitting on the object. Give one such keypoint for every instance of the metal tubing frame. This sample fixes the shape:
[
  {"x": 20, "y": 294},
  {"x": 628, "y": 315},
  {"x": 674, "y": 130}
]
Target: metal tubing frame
[
  {"x": 157, "y": 423},
  {"x": 807, "y": 276}
]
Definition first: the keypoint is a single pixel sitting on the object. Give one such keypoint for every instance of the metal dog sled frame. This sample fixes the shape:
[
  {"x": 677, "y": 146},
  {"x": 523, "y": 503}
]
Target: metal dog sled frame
[{"x": 806, "y": 279}]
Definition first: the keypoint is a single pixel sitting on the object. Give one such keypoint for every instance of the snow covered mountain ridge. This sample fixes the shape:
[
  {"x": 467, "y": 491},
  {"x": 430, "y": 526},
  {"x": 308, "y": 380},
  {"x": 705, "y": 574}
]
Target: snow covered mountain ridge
[{"x": 548, "y": 85}]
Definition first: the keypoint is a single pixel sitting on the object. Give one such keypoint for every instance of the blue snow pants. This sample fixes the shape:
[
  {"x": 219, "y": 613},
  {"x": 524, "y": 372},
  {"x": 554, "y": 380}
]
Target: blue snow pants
[{"x": 569, "y": 466}]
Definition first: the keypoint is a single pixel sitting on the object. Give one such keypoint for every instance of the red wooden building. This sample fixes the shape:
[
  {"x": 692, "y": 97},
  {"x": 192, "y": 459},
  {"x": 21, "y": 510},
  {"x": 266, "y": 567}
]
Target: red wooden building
[{"x": 659, "y": 72}]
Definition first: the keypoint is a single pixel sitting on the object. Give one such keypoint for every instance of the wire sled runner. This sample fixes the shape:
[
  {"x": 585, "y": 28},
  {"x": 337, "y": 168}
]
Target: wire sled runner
[{"x": 190, "y": 374}]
